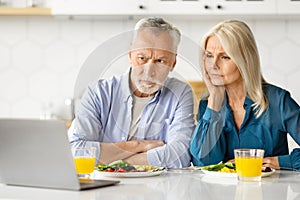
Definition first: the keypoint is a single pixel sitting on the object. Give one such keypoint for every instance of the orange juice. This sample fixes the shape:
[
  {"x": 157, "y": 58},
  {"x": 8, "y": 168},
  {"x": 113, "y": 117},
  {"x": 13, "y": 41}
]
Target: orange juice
[
  {"x": 248, "y": 166},
  {"x": 84, "y": 165}
]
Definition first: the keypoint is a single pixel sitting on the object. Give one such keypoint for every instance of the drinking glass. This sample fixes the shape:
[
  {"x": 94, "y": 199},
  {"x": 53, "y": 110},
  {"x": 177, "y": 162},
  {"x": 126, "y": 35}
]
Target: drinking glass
[
  {"x": 249, "y": 164},
  {"x": 248, "y": 191},
  {"x": 85, "y": 159}
]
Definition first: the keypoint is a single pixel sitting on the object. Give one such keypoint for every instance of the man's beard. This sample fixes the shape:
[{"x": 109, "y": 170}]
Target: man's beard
[
  {"x": 147, "y": 85},
  {"x": 149, "y": 82}
]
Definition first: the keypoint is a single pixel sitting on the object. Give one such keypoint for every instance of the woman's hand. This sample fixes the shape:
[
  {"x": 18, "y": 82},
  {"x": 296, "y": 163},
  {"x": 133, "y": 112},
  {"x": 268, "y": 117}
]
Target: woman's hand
[
  {"x": 271, "y": 162},
  {"x": 216, "y": 93},
  {"x": 232, "y": 161}
]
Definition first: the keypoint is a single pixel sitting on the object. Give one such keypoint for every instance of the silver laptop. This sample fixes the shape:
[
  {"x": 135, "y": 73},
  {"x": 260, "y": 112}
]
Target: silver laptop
[{"x": 37, "y": 153}]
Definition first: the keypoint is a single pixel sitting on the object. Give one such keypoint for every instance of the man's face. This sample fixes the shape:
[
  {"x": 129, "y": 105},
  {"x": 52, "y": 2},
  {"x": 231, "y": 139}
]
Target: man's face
[{"x": 152, "y": 58}]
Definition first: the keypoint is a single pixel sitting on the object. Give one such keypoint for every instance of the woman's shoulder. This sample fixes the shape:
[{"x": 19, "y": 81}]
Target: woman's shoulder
[
  {"x": 275, "y": 94},
  {"x": 272, "y": 90}
]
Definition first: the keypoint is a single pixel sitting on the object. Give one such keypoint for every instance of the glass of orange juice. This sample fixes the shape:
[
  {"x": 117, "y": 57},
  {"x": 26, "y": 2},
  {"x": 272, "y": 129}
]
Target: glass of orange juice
[
  {"x": 85, "y": 159},
  {"x": 249, "y": 164}
]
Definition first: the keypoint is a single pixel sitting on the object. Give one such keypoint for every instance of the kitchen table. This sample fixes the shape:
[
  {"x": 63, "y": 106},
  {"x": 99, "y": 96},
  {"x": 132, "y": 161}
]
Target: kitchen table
[{"x": 174, "y": 184}]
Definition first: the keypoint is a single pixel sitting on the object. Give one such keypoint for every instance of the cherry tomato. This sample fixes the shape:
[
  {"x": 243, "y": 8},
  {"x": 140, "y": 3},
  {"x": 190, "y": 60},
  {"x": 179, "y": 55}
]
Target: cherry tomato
[{"x": 121, "y": 170}]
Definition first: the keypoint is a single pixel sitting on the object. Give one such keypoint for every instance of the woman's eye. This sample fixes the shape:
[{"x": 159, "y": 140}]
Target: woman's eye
[
  {"x": 225, "y": 57},
  {"x": 209, "y": 56}
]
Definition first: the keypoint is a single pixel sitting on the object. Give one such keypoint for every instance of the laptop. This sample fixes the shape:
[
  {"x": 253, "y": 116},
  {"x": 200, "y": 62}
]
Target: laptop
[{"x": 37, "y": 153}]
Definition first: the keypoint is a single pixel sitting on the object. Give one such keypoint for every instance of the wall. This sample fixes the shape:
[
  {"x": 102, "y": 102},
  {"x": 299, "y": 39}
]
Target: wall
[{"x": 40, "y": 57}]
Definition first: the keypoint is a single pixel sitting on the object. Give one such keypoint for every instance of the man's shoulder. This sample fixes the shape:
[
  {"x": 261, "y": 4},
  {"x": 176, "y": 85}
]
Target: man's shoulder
[
  {"x": 176, "y": 83},
  {"x": 176, "y": 87},
  {"x": 113, "y": 80},
  {"x": 105, "y": 85}
]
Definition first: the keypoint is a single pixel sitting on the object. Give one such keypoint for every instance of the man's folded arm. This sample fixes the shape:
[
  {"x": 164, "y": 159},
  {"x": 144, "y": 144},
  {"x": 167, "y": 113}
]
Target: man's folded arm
[{"x": 133, "y": 151}]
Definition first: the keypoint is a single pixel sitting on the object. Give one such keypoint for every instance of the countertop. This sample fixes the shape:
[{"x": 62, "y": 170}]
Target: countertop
[{"x": 175, "y": 184}]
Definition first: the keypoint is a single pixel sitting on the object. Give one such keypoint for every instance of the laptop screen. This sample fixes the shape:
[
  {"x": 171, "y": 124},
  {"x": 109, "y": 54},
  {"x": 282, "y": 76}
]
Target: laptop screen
[{"x": 37, "y": 153}]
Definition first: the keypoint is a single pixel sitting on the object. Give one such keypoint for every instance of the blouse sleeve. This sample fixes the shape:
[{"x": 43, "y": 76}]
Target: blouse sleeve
[
  {"x": 208, "y": 144},
  {"x": 290, "y": 111}
]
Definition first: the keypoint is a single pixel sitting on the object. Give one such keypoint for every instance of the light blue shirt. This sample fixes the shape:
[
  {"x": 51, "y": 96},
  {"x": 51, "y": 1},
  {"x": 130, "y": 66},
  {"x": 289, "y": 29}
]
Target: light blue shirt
[
  {"x": 216, "y": 136},
  {"x": 104, "y": 115}
]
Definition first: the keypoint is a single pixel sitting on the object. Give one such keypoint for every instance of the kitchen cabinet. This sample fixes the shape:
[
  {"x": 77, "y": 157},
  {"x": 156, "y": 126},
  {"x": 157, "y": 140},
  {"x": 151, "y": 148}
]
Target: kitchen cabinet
[
  {"x": 206, "y": 7},
  {"x": 162, "y": 7},
  {"x": 175, "y": 7},
  {"x": 288, "y": 7},
  {"x": 243, "y": 7},
  {"x": 99, "y": 7}
]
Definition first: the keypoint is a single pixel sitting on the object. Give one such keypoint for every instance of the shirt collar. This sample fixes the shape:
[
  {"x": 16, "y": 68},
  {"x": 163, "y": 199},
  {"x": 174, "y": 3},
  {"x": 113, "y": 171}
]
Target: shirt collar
[
  {"x": 125, "y": 84},
  {"x": 248, "y": 102}
]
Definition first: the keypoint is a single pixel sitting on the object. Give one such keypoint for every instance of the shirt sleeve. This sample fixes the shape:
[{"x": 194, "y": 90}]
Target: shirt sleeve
[
  {"x": 291, "y": 122},
  {"x": 85, "y": 128},
  {"x": 175, "y": 153},
  {"x": 208, "y": 144}
]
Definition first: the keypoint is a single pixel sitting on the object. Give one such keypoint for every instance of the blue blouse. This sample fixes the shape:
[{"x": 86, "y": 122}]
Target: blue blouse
[{"x": 216, "y": 135}]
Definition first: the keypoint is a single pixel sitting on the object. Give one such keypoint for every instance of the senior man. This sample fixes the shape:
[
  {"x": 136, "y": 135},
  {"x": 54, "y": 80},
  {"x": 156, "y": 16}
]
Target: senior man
[{"x": 142, "y": 116}]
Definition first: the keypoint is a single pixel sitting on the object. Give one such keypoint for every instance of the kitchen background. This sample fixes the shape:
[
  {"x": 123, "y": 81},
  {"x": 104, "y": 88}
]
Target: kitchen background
[{"x": 40, "y": 56}]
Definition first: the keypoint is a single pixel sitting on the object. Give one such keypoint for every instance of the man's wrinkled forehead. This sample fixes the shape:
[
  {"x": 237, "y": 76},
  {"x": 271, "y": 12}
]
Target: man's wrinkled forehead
[{"x": 152, "y": 38}]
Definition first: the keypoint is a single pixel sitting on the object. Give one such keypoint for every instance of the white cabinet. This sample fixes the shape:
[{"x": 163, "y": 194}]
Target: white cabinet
[
  {"x": 288, "y": 6},
  {"x": 99, "y": 7},
  {"x": 243, "y": 7},
  {"x": 205, "y": 7},
  {"x": 175, "y": 7}
]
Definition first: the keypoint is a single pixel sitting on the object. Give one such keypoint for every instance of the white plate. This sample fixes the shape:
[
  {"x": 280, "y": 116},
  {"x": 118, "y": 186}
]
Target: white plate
[
  {"x": 219, "y": 174},
  {"x": 265, "y": 174},
  {"x": 130, "y": 174},
  {"x": 233, "y": 175}
]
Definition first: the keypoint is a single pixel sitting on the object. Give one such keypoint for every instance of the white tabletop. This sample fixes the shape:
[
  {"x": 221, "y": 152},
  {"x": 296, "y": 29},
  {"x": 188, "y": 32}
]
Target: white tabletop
[{"x": 179, "y": 184}]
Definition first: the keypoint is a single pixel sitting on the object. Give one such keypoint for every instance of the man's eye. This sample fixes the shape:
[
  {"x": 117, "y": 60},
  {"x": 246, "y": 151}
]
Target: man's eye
[
  {"x": 142, "y": 58},
  {"x": 160, "y": 61}
]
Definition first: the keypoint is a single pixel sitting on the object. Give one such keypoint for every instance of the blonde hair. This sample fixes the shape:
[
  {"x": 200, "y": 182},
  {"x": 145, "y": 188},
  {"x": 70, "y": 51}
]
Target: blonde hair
[{"x": 238, "y": 42}]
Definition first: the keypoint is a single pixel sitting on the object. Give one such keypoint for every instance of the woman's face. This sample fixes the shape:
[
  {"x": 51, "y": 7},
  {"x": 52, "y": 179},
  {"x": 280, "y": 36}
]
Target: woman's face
[{"x": 221, "y": 70}]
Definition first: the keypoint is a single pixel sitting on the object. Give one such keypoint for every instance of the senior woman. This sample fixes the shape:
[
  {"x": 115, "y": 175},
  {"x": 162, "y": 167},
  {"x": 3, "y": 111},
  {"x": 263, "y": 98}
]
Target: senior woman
[{"x": 241, "y": 110}]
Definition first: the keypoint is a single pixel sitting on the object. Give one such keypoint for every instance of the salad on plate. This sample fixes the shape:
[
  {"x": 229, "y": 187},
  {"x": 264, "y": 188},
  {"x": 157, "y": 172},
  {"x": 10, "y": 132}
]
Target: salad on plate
[
  {"x": 228, "y": 169},
  {"x": 121, "y": 168}
]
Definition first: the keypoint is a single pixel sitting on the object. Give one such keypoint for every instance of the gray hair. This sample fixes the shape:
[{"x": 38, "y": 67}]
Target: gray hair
[{"x": 160, "y": 25}]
